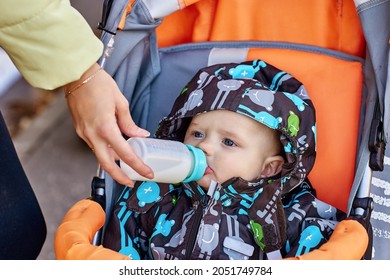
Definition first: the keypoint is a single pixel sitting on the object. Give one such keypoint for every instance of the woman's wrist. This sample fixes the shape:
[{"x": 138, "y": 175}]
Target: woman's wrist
[{"x": 88, "y": 75}]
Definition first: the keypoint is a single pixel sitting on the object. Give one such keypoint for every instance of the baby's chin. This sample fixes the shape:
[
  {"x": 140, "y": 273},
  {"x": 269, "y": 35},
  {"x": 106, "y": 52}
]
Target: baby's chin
[{"x": 205, "y": 181}]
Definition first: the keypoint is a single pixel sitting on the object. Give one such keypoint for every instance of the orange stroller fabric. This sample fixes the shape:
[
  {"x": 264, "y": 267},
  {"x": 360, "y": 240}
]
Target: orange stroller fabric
[
  {"x": 73, "y": 239},
  {"x": 343, "y": 244},
  {"x": 329, "y": 24}
]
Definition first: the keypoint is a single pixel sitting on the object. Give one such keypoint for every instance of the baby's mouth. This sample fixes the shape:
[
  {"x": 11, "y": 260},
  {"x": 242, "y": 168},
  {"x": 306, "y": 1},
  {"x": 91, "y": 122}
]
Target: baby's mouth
[{"x": 208, "y": 170}]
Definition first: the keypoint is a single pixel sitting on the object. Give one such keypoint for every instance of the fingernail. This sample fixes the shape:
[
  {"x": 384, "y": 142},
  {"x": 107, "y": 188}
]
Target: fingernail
[
  {"x": 149, "y": 175},
  {"x": 143, "y": 132},
  {"x": 131, "y": 184}
]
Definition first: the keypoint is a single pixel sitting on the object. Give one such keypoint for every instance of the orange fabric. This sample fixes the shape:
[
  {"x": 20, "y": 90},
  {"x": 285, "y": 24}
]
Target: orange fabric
[
  {"x": 185, "y": 3},
  {"x": 335, "y": 87},
  {"x": 329, "y": 24},
  {"x": 74, "y": 236},
  {"x": 349, "y": 241},
  {"x": 127, "y": 10}
]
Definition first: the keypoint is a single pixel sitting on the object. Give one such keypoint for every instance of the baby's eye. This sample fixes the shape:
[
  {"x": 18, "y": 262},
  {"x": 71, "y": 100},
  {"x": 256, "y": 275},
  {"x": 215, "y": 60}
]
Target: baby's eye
[
  {"x": 197, "y": 134},
  {"x": 228, "y": 142}
]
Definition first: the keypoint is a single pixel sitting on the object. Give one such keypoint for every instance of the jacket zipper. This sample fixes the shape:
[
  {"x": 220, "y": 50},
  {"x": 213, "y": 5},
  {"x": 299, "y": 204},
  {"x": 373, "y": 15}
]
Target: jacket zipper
[{"x": 199, "y": 211}]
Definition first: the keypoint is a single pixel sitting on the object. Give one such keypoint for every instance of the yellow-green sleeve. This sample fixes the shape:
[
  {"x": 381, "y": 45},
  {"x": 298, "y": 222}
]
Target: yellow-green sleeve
[{"x": 49, "y": 41}]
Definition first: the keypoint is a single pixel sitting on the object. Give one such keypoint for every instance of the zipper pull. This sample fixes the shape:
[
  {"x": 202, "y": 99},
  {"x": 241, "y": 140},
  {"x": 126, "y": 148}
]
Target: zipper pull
[
  {"x": 195, "y": 205},
  {"x": 205, "y": 200}
]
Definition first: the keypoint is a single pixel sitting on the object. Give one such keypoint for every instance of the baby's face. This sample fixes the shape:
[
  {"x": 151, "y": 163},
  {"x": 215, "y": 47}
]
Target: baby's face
[{"x": 235, "y": 145}]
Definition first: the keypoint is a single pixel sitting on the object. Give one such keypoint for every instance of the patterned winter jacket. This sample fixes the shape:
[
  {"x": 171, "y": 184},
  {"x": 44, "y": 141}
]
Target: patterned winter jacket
[{"x": 237, "y": 219}]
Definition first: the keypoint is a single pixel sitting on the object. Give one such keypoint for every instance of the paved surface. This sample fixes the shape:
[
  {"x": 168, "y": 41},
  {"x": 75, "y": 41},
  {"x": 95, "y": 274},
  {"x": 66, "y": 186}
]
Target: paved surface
[{"x": 59, "y": 165}]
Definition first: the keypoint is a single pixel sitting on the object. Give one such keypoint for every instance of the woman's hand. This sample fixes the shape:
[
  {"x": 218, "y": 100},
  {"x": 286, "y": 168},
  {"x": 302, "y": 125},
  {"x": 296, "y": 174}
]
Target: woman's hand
[{"x": 100, "y": 114}]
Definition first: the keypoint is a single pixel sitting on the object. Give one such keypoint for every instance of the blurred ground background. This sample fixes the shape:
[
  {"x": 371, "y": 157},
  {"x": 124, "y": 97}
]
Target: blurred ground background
[{"x": 60, "y": 166}]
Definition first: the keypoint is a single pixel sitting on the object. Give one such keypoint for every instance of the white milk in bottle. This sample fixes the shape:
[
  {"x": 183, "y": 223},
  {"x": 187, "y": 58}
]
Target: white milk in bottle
[{"x": 171, "y": 161}]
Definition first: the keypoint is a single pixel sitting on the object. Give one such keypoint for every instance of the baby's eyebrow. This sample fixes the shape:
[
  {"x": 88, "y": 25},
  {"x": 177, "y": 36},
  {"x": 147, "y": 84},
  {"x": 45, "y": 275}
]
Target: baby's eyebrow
[
  {"x": 230, "y": 133},
  {"x": 193, "y": 123}
]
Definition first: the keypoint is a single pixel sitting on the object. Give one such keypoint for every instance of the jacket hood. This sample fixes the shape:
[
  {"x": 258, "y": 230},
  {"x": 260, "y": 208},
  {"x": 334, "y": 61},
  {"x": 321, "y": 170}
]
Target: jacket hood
[{"x": 259, "y": 91}]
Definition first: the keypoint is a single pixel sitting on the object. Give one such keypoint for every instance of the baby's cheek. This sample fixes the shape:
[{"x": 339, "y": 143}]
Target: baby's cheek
[{"x": 245, "y": 173}]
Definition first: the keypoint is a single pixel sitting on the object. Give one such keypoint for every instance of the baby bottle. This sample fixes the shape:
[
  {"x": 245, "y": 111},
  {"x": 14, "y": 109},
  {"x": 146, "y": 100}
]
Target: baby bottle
[{"x": 171, "y": 161}]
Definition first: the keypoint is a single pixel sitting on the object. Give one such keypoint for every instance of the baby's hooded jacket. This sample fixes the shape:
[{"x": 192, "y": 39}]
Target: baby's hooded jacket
[{"x": 236, "y": 219}]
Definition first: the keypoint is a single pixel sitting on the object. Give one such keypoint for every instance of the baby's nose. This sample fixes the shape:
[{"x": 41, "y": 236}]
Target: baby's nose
[{"x": 206, "y": 147}]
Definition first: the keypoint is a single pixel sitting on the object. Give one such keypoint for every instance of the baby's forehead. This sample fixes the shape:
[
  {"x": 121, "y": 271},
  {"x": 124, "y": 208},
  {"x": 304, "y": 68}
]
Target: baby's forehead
[
  {"x": 219, "y": 114},
  {"x": 230, "y": 120}
]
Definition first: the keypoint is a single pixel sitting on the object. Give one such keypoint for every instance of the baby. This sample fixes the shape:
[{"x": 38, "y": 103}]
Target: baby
[{"x": 256, "y": 126}]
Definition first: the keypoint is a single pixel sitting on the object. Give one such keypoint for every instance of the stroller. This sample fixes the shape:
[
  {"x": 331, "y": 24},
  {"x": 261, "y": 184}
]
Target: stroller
[{"x": 332, "y": 47}]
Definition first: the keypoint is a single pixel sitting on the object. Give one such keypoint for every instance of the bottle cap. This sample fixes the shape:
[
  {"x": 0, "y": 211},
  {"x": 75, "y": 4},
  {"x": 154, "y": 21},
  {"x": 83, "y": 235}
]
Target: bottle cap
[{"x": 200, "y": 164}]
